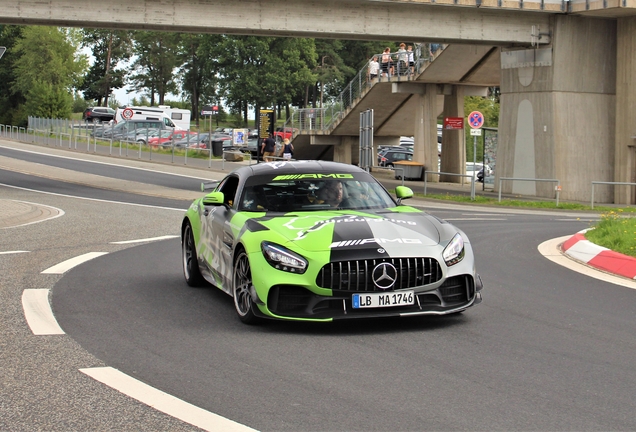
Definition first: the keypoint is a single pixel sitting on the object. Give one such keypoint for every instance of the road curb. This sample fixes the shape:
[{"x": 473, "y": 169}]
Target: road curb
[{"x": 581, "y": 249}]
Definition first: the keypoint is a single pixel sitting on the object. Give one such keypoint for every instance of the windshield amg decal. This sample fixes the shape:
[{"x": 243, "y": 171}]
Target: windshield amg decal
[
  {"x": 347, "y": 243},
  {"x": 312, "y": 176}
]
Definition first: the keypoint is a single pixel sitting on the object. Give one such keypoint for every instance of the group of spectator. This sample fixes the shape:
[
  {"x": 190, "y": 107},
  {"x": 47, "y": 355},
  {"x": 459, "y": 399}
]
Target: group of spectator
[
  {"x": 401, "y": 62},
  {"x": 268, "y": 149}
]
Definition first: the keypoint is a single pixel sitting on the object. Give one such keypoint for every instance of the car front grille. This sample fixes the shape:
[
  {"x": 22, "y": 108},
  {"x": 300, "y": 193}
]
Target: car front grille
[{"x": 357, "y": 275}]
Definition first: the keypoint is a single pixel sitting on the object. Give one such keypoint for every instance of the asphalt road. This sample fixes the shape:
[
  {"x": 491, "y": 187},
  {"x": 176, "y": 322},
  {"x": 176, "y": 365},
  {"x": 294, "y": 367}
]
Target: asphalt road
[{"x": 548, "y": 349}]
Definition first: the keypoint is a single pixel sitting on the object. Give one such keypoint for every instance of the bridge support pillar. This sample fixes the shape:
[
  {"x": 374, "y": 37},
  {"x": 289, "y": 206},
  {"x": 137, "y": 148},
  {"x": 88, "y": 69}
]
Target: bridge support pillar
[
  {"x": 625, "y": 158},
  {"x": 425, "y": 131},
  {"x": 453, "y": 141},
  {"x": 558, "y": 112},
  {"x": 342, "y": 152}
]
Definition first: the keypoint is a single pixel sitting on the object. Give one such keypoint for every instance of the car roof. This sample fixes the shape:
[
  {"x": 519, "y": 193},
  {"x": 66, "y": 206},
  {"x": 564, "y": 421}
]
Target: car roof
[{"x": 297, "y": 167}]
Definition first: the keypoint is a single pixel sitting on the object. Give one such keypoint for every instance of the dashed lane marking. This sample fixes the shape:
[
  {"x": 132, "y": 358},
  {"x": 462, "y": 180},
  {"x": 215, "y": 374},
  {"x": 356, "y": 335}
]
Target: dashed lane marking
[
  {"x": 163, "y": 402},
  {"x": 151, "y": 239},
  {"x": 13, "y": 252},
  {"x": 65, "y": 266},
  {"x": 38, "y": 313}
]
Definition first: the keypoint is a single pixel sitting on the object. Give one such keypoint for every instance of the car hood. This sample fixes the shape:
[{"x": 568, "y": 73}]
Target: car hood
[{"x": 364, "y": 234}]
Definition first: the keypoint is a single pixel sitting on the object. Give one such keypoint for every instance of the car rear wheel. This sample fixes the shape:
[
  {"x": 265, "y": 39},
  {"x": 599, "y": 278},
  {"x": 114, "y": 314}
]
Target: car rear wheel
[
  {"x": 191, "y": 270},
  {"x": 241, "y": 284}
]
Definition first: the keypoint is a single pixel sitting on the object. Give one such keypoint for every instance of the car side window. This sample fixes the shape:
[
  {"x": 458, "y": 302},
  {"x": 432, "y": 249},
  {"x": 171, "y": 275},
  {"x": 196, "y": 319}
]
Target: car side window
[{"x": 229, "y": 187}]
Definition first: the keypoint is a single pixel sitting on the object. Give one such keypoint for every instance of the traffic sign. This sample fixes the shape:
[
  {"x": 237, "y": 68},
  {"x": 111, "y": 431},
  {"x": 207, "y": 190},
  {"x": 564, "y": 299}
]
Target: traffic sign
[
  {"x": 127, "y": 114},
  {"x": 476, "y": 119},
  {"x": 453, "y": 123}
]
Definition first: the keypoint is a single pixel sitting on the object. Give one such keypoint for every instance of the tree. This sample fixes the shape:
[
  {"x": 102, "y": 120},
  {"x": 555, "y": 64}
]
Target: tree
[
  {"x": 47, "y": 70},
  {"x": 47, "y": 55},
  {"x": 156, "y": 61},
  {"x": 109, "y": 48},
  {"x": 10, "y": 100}
]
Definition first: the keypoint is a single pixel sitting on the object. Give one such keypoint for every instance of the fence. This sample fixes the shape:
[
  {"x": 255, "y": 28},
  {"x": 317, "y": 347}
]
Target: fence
[{"x": 557, "y": 189}]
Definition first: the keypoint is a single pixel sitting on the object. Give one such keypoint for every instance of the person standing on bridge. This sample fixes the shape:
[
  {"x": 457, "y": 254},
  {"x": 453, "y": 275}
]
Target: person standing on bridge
[
  {"x": 374, "y": 68},
  {"x": 409, "y": 52},
  {"x": 387, "y": 66},
  {"x": 402, "y": 59}
]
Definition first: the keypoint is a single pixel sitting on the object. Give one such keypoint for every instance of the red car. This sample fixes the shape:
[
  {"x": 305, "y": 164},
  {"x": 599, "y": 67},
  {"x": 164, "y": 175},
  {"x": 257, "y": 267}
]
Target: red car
[
  {"x": 168, "y": 136},
  {"x": 281, "y": 133}
]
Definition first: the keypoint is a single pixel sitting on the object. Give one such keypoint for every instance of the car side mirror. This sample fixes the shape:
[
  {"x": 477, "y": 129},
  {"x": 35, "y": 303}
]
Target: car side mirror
[
  {"x": 213, "y": 198},
  {"x": 402, "y": 193}
]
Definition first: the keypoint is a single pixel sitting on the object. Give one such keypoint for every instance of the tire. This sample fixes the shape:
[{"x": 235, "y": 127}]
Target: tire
[
  {"x": 191, "y": 270},
  {"x": 96, "y": 120},
  {"x": 241, "y": 283}
]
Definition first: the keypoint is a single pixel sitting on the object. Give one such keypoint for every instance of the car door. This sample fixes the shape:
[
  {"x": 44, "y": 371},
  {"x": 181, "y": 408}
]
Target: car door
[{"x": 215, "y": 221}]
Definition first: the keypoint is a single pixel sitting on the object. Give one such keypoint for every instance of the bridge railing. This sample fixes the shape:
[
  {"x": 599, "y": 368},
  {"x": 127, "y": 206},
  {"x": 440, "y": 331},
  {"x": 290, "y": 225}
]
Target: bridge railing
[{"x": 325, "y": 118}]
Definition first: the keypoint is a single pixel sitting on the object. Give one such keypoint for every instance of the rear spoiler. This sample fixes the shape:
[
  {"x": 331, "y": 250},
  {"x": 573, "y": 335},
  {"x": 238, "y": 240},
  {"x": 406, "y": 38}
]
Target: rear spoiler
[{"x": 209, "y": 186}]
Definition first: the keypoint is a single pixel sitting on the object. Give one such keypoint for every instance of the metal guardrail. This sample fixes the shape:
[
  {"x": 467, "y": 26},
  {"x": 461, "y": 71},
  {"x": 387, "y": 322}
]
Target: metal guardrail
[
  {"x": 472, "y": 188},
  {"x": 607, "y": 183},
  {"x": 558, "y": 182}
]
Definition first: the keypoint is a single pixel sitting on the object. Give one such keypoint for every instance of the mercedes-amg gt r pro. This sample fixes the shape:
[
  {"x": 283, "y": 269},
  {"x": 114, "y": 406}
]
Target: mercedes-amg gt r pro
[{"x": 319, "y": 241}]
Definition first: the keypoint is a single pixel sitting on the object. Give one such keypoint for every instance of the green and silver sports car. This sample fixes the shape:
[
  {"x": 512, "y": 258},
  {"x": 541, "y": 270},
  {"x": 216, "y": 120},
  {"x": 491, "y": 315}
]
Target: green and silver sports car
[{"x": 318, "y": 241}]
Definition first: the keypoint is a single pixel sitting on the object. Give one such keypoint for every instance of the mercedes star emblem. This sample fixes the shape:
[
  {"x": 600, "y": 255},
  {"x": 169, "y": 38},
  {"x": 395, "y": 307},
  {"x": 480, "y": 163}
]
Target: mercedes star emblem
[{"x": 384, "y": 275}]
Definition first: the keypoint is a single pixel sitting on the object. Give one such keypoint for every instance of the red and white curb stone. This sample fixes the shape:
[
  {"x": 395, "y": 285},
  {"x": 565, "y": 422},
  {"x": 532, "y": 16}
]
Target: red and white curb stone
[{"x": 581, "y": 249}]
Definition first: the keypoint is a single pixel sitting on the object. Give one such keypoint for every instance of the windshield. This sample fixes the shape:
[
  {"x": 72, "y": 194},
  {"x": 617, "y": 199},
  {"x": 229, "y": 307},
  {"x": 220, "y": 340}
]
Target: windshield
[{"x": 358, "y": 191}]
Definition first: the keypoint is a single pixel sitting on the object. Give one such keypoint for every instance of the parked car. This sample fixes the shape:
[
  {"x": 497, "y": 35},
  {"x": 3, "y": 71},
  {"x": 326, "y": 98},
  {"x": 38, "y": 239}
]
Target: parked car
[
  {"x": 168, "y": 136},
  {"x": 387, "y": 157},
  {"x": 120, "y": 130},
  {"x": 292, "y": 256},
  {"x": 98, "y": 114},
  {"x": 281, "y": 133}
]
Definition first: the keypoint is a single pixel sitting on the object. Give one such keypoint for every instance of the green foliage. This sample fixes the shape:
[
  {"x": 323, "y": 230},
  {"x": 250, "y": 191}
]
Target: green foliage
[
  {"x": 79, "y": 103},
  {"x": 109, "y": 49},
  {"x": 10, "y": 99},
  {"x": 47, "y": 55},
  {"x": 49, "y": 101},
  {"x": 615, "y": 232},
  {"x": 155, "y": 63}
]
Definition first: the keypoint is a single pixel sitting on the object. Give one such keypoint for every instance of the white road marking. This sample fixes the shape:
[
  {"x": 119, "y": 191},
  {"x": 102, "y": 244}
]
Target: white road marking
[
  {"x": 13, "y": 252},
  {"x": 60, "y": 213},
  {"x": 103, "y": 163},
  {"x": 65, "y": 266},
  {"x": 145, "y": 240},
  {"x": 550, "y": 250},
  {"x": 38, "y": 313},
  {"x": 93, "y": 199},
  {"x": 163, "y": 402}
]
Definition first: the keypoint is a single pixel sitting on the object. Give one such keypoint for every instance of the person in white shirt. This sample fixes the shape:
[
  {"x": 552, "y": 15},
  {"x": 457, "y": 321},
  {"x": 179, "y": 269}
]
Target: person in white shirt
[{"x": 374, "y": 68}]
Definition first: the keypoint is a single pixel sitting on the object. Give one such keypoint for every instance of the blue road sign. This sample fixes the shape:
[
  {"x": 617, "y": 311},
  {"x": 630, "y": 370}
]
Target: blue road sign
[{"x": 476, "y": 119}]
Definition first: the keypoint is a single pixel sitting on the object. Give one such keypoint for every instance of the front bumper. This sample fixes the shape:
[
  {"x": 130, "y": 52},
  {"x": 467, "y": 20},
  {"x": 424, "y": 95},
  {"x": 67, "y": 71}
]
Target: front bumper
[{"x": 456, "y": 294}]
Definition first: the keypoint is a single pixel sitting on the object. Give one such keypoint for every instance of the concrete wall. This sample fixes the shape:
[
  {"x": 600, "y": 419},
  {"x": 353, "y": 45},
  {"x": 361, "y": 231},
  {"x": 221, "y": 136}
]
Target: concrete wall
[
  {"x": 557, "y": 121},
  {"x": 625, "y": 160}
]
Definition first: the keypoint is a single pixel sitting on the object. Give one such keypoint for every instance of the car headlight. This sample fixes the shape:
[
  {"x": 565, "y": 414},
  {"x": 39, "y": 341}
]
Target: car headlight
[
  {"x": 283, "y": 259},
  {"x": 454, "y": 252}
]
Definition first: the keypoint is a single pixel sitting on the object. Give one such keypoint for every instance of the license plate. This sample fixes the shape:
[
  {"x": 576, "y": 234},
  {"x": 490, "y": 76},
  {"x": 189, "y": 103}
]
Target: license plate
[{"x": 375, "y": 300}]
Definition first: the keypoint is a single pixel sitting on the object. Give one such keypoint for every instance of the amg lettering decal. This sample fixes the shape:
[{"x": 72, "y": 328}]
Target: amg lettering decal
[
  {"x": 347, "y": 243},
  {"x": 312, "y": 176}
]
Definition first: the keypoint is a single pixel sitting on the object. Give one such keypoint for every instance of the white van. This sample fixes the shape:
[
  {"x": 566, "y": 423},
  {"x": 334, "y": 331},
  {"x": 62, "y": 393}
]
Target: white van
[{"x": 172, "y": 117}]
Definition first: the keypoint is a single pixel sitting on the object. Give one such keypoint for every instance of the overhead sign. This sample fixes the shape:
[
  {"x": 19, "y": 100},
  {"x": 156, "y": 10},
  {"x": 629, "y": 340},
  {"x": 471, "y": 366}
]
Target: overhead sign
[
  {"x": 476, "y": 119},
  {"x": 453, "y": 123},
  {"x": 2, "y": 50},
  {"x": 127, "y": 114}
]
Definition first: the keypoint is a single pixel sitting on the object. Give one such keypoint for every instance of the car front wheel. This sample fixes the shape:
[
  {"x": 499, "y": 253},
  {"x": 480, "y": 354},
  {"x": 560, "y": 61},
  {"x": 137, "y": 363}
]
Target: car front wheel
[
  {"x": 191, "y": 270},
  {"x": 241, "y": 284}
]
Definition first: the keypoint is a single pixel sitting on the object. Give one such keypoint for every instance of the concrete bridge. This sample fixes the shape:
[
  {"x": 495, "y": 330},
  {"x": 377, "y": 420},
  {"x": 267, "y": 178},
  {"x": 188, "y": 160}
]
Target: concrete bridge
[{"x": 565, "y": 69}]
